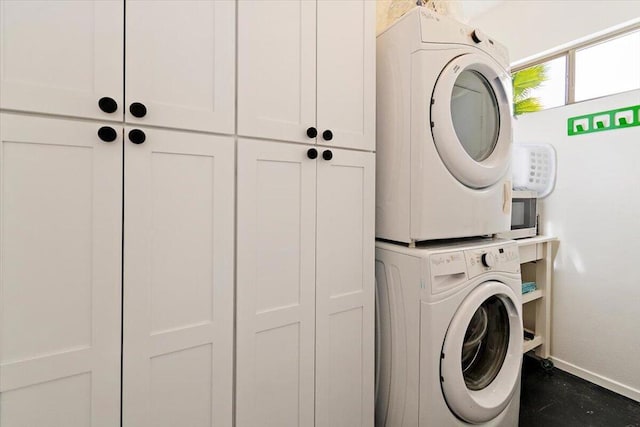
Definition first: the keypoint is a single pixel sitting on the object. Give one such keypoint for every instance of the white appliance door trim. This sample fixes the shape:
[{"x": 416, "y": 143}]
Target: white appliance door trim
[
  {"x": 472, "y": 173},
  {"x": 479, "y": 406}
]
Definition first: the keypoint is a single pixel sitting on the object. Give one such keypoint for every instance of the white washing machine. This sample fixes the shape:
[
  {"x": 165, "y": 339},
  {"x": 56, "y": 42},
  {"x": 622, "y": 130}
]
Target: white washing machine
[
  {"x": 443, "y": 131},
  {"x": 448, "y": 335}
]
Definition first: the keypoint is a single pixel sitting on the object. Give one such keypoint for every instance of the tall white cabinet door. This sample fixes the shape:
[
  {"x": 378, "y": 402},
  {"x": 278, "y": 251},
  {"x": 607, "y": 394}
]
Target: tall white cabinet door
[
  {"x": 61, "y": 57},
  {"x": 180, "y": 63},
  {"x": 347, "y": 73},
  {"x": 345, "y": 291},
  {"x": 60, "y": 289},
  {"x": 277, "y": 69},
  {"x": 275, "y": 285},
  {"x": 178, "y": 280}
]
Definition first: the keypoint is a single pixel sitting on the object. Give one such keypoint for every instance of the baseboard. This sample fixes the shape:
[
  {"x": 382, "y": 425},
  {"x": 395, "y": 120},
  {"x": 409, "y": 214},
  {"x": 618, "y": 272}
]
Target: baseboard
[{"x": 607, "y": 383}]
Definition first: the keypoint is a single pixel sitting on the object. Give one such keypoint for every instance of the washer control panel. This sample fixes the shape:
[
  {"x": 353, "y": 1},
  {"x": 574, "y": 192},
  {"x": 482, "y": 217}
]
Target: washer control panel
[
  {"x": 493, "y": 258},
  {"x": 450, "y": 269}
]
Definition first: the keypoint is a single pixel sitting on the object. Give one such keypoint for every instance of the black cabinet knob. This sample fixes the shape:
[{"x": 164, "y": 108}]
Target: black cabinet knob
[
  {"x": 312, "y": 132},
  {"x": 108, "y": 105},
  {"x": 327, "y": 155},
  {"x": 137, "y": 136},
  {"x": 312, "y": 153},
  {"x": 138, "y": 109},
  {"x": 327, "y": 135},
  {"x": 107, "y": 134}
]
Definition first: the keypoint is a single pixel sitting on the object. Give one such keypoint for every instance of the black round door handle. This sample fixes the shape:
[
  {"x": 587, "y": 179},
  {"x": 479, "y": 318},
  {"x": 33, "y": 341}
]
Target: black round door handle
[
  {"x": 312, "y": 132},
  {"x": 108, "y": 105},
  {"x": 137, "y": 136},
  {"x": 312, "y": 153},
  {"x": 327, "y": 155},
  {"x": 138, "y": 109},
  {"x": 327, "y": 135},
  {"x": 107, "y": 134}
]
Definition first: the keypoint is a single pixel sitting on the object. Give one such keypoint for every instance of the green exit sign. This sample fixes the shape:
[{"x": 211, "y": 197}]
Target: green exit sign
[{"x": 604, "y": 120}]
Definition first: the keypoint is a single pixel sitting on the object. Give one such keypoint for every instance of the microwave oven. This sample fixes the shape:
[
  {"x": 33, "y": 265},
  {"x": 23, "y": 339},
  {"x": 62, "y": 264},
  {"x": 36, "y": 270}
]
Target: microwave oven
[{"x": 524, "y": 215}]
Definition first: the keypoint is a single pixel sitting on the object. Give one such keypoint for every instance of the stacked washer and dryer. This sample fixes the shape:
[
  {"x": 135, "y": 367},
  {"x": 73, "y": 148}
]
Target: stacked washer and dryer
[{"x": 449, "y": 317}]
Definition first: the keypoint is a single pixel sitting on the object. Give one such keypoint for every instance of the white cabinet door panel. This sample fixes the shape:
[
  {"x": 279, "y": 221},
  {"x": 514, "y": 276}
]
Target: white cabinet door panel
[
  {"x": 346, "y": 73},
  {"x": 345, "y": 290},
  {"x": 277, "y": 69},
  {"x": 61, "y": 57},
  {"x": 60, "y": 288},
  {"x": 178, "y": 280},
  {"x": 180, "y": 61},
  {"x": 275, "y": 285}
]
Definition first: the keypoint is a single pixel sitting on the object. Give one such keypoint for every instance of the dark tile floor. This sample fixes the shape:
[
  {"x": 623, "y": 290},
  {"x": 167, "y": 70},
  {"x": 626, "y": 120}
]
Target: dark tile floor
[{"x": 556, "y": 398}]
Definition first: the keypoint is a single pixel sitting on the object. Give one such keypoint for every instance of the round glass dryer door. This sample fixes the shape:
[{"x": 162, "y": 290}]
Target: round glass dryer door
[
  {"x": 474, "y": 113},
  {"x": 482, "y": 353},
  {"x": 471, "y": 119}
]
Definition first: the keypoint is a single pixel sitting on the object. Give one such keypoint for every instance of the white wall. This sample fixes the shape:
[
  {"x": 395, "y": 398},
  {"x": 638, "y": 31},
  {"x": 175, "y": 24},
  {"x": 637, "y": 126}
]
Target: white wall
[
  {"x": 595, "y": 212},
  {"x": 530, "y": 28}
]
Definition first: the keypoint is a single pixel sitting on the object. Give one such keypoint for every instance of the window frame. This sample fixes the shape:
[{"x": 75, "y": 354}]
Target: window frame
[{"x": 569, "y": 53}]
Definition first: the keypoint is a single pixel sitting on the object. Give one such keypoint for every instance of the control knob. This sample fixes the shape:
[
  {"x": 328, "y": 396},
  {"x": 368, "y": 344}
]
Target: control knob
[
  {"x": 477, "y": 36},
  {"x": 488, "y": 259}
]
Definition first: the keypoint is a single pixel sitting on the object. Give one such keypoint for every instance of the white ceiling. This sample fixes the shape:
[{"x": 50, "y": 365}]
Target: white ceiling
[{"x": 473, "y": 8}]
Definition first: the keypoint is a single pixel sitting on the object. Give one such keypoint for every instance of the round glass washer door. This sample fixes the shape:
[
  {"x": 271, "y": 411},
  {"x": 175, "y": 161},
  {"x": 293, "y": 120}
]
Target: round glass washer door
[
  {"x": 482, "y": 353},
  {"x": 471, "y": 119}
]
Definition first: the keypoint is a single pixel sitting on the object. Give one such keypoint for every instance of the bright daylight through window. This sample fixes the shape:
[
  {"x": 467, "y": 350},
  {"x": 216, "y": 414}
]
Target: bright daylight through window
[
  {"x": 600, "y": 68},
  {"x": 609, "y": 67}
]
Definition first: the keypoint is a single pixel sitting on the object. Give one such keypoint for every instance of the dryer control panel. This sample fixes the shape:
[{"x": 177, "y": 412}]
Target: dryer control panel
[
  {"x": 436, "y": 28},
  {"x": 494, "y": 258}
]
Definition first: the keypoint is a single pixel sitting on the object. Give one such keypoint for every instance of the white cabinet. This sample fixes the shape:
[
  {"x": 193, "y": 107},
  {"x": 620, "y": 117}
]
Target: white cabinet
[
  {"x": 304, "y": 286},
  {"x": 60, "y": 289},
  {"x": 307, "y": 64},
  {"x": 63, "y": 57},
  {"x": 180, "y": 64},
  {"x": 275, "y": 285},
  {"x": 75, "y": 309},
  {"x": 277, "y": 69},
  {"x": 60, "y": 294},
  {"x": 346, "y": 73},
  {"x": 178, "y": 279},
  {"x": 63, "y": 288},
  {"x": 345, "y": 290},
  {"x": 305, "y": 232}
]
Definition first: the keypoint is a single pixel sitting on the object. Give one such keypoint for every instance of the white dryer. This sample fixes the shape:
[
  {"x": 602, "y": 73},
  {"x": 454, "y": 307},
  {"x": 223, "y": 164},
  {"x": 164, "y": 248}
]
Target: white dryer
[
  {"x": 449, "y": 334},
  {"x": 443, "y": 131}
]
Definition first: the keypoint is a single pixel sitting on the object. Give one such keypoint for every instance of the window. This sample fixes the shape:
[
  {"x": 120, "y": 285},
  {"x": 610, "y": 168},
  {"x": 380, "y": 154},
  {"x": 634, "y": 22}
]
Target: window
[
  {"x": 609, "y": 67},
  {"x": 601, "y": 67},
  {"x": 547, "y": 84}
]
